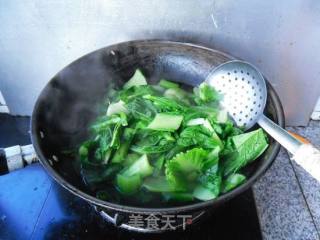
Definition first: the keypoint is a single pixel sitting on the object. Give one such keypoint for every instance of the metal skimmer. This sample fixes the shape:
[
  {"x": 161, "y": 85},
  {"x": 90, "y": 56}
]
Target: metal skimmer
[{"x": 244, "y": 97}]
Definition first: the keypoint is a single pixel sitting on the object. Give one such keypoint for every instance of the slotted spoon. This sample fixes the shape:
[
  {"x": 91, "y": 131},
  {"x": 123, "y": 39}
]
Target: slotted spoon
[{"x": 244, "y": 97}]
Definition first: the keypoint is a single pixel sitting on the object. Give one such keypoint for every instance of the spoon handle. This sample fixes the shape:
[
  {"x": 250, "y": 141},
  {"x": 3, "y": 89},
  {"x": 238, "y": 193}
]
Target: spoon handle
[
  {"x": 306, "y": 155},
  {"x": 279, "y": 134}
]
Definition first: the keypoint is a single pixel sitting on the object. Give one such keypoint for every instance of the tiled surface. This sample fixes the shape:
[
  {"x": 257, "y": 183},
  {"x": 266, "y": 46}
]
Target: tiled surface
[
  {"x": 310, "y": 186},
  {"x": 282, "y": 209}
]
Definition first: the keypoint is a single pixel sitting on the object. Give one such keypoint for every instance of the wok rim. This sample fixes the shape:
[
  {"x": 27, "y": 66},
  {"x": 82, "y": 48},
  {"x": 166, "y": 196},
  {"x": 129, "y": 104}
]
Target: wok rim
[{"x": 144, "y": 210}]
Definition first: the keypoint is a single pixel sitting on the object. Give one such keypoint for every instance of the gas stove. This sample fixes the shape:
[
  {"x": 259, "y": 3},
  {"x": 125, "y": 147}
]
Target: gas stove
[{"x": 33, "y": 206}]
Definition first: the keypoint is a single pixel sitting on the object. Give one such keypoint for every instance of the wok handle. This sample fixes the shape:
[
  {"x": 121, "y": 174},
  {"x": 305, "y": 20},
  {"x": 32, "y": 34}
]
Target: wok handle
[
  {"x": 305, "y": 154},
  {"x": 308, "y": 157},
  {"x": 16, "y": 157}
]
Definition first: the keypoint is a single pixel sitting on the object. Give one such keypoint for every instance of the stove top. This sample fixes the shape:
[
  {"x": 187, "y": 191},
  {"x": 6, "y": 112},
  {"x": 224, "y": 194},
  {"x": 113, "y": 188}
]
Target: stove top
[{"x": 33, "y": 206}]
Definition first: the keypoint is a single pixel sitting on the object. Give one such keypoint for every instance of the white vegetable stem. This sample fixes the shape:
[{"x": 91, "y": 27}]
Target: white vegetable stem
[
  {"x": 200, "y": 121},
  {"x": 115, "y": 108},
  {"x": 136, "y": 80},
  {"x": 166, "y": 122}
]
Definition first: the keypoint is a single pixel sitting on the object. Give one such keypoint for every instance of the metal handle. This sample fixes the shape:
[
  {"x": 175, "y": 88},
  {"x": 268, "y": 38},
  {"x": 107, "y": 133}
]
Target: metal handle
[
  {"x": 306, "y": 155},
  {"x": 279, "y": 134}
]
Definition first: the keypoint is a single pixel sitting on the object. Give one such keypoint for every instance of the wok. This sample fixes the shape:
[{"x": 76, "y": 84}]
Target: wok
[{"x": 70, "y": 101}]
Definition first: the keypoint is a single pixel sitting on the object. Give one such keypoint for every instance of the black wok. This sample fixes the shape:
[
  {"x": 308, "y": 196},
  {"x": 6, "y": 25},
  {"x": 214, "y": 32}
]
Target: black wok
[{"x": 70, "y": 102}]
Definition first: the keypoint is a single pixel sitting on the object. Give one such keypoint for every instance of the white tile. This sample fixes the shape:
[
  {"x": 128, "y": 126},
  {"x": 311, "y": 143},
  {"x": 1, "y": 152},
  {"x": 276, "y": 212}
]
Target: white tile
[
  {"x": 4, "y": 109},
  {"x": 2, "y": 101},
  {"x": 317, "y": 107},
  {"x": 316, "y": 111},
  {"x": 315, "y": 116}
]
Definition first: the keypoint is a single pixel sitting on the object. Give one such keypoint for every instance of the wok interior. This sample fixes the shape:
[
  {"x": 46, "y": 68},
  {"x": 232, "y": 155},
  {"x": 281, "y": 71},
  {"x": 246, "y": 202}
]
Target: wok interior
[{"x": 70, "y": 102}]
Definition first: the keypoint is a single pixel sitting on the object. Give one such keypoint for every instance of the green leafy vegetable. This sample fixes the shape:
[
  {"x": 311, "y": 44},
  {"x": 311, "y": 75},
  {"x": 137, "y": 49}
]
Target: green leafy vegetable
[
  {"x": 203, "y": 193},
  {"x": 101, "y": 174},
  {"x": 185, "y": 168},
  {"x": 128, "y": 184},
  {"x": 167, "y": 84},
  {"x": 127, "y": 95},
  {"x": 151, "y": 141},
  {"x": 178, "y": 94},
  {"x": 158, "y": 184},
  {"x": 140, "y": 167},
  {"x": 205, "y": 94},
  {"x": 166, "y": 104},
  {"x": 247, "y": 147},
  {"x": 198, "y": 136},
  {"x": 122, "y": 151},
  {"x": 162, "y": 141},
  {"x": 233, "y": 181},
  {"x": 104, "y": 139},
  {"x": 178, "y": 196},
  {"x": 211, "y": 180},
  {"x": 222, "y": 116},
  {"x": 159, "y": 165},
  {"x": 152, "y": 149},
  {"x": 130, "y": 158},
  {"x": 142, "y": 109}
]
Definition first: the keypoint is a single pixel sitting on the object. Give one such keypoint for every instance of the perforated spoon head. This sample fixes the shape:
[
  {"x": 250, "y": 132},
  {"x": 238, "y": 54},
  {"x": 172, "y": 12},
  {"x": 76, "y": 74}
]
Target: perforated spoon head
[{"x": 243, "y": 90}]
